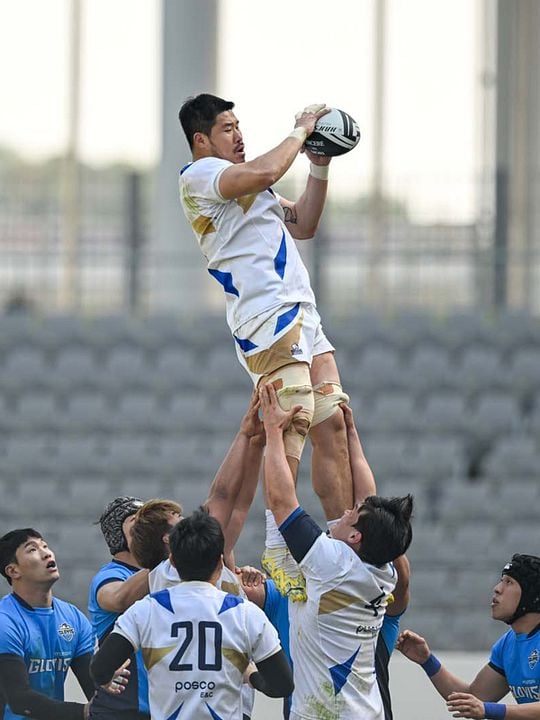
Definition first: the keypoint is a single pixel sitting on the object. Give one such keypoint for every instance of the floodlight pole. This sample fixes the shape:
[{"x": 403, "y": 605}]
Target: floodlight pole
[{"x": 69, "y": 291}]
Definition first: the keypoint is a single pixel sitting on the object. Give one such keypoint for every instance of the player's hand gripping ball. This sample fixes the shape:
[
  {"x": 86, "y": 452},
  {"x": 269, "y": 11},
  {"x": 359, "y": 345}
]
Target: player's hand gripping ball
[{"x": 335, "y": 133}]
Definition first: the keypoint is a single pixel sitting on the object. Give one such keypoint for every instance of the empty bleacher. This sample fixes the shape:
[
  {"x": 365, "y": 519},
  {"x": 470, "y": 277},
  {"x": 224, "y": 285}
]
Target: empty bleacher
[{"x": 448, "y": 409}]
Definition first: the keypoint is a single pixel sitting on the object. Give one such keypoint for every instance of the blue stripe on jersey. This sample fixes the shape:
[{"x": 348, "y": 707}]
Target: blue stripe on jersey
[
  {"x": 229, "y": 602},
  {"x": 225, "y": 279},
  {"x": 281, "y": 258},
  {"x": 164, "y": 599},
  {"x": 182, "y": 171},
  {"x": 245, "y": 345},
  {"x": 176, "y": 713},
  {"x": 340, "y": 673},
  {"x": 287, "y": 318},
  {"x": 214, "y": 715}
]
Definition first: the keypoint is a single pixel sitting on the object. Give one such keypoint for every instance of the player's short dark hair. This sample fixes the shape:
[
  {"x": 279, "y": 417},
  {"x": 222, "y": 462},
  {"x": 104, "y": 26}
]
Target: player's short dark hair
[
  {"x": 198, "y": 114},
  {"x": 196, "y": 545},
  {"x": 150, "y": 525},
  {"x": 385, "y": 524},
  {"x": 10, "y": 542}
]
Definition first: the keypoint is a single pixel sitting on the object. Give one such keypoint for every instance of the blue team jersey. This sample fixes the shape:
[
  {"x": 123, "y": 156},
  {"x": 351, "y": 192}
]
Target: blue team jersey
[
  {"x": 135, "y": 697},
  {"x": 47, "y": 639},
  {"x": 517, "y": 658}
]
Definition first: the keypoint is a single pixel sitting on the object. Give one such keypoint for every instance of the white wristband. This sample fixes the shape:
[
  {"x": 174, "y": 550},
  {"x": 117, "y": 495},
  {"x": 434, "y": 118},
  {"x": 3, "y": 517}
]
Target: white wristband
[
  {"x": 299, "y": 133},
  {"x": 319, "y": 171}
]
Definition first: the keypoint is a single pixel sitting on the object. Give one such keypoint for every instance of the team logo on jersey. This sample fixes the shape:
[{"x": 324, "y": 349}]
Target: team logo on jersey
[
  {"x": 296, "y": 349},
  {"x": 66, "y": 632},
  {"x": 533, "y": 658}
]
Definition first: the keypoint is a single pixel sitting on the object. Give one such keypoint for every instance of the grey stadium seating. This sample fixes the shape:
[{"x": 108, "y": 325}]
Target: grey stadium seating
[{"x": 447, "y": 408}]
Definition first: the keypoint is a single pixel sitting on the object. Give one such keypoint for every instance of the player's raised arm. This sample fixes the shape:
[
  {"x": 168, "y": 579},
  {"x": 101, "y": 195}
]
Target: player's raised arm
[
  {"x": 278, "y": 479},
  {"x": 362, "y": 475},
  {"x": 256, "y": 175},
  {"x": 234, "y": 486}
]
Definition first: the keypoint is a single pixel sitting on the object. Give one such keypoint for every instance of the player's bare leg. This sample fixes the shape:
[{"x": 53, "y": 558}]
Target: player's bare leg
[{"x": 330, "y": 464}]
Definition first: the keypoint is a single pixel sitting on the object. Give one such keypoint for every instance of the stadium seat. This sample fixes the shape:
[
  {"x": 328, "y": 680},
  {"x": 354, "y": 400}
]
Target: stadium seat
[
  {"x": 379, "y": 368},
  {"x": 187, "y": 410},
  {"x": 444, "y": 412},
  {"x": 514, "y": 456},
  {"x": 412, "y": 328},
  {"x": 36, "y": 410},
  {"x": 23, "y": 366},
  {"x": 517, "y": 329},
  {"x": 518, "y": 499},
  {"x": 386, "y": 455},
  {"x": 524, "y": 371},
  {"x": 493, "y": 415},
  {"x": 79, "y": 454},
  {"x": 223, "y": 371},
  {"x": 461, "y": 329},
  {"x": 35, "y": 494},
  {"x": 76, "y": 366},
  {"x": 391, "y": 412},
  {"x": 176, "y": 368},
  {"x": 480, "y": 369},
  {"x": 88, "y": 410},
  {"x": 28, "y": 452},
  {"x": 137, "y": 410},
  {"x": 463, "y": 501},
  {"x": 125, "y": 366},
  {"x": 430, "y": 370},
  {"x": 438, "y": 458}
]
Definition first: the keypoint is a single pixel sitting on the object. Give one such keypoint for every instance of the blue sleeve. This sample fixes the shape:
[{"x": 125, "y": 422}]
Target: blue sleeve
[
  {"x": 390, "y": 631},
  {"x": 11, "y": 641},
  {"x": 496, "y": 660},
  {"x": 299, "y": 531},
  {"x": 86, "y": 643},
  {"x": 272, "y": 602}
]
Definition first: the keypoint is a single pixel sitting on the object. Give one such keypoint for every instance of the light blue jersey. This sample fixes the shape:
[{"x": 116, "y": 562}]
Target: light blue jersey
[
  {"x": 135, "y": 696},
  {"x": 517, "y": 658},
  {"x": 47, "y": 639}
]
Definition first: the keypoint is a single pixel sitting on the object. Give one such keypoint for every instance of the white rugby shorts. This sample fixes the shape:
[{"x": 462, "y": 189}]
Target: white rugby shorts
[{"x": 288, "y": 334}]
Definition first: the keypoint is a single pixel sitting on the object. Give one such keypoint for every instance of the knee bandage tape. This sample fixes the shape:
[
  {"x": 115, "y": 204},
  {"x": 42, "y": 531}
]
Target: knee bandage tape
[
  {"x": 293, "y": 387},
  {"x": 328, "y": 396}
]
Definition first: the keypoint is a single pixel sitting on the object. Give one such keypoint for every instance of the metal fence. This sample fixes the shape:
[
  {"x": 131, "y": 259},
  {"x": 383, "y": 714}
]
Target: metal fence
[{"x": 437, "y": 267}]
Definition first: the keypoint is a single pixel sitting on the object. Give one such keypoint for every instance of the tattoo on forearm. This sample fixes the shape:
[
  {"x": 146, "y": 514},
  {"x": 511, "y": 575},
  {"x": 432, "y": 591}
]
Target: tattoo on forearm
[{"x": 290, "y": 215}]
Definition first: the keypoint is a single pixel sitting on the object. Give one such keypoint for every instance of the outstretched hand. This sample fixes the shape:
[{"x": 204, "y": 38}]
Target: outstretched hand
[
  {"x": 465, "y": 705},
  {"x": 274, "y": 417},
  {"x": 413, "y": 646},
  {"x": 119, "y": 681},
  {"x": 251, "y": 424}
]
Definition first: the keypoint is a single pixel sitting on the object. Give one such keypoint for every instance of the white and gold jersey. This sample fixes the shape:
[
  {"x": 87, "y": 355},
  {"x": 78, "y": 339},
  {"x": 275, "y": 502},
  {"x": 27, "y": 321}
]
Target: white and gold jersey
[
  {"x": 165, "y": 575},
  {"x": 245, "y": 242},
  {"x": 196, "y": 642},
  {"x": 333, "y": 635}
]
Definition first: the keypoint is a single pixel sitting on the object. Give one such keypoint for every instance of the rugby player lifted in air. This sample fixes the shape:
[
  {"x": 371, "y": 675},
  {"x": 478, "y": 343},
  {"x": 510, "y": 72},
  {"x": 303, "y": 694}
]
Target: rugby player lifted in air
[{"x": 246, "y": 233}]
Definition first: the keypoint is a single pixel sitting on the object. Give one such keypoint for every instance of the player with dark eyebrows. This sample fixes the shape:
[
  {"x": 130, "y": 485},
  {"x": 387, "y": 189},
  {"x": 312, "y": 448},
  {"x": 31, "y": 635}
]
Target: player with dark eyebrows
[
  {"x": 41, "y": 636},
  {"x": 247, "y": 234}
]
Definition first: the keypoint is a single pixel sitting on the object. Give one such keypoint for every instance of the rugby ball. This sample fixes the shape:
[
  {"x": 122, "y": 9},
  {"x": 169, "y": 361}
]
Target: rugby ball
[{"x": 335, "y": 133}]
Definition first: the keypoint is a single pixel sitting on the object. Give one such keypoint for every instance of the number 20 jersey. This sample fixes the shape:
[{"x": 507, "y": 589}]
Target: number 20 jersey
[{"x": 196, "y": 642}]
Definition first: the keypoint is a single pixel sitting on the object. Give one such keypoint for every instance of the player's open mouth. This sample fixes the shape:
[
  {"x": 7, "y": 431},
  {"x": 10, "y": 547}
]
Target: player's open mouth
[{"x": 51, "y": 565}]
